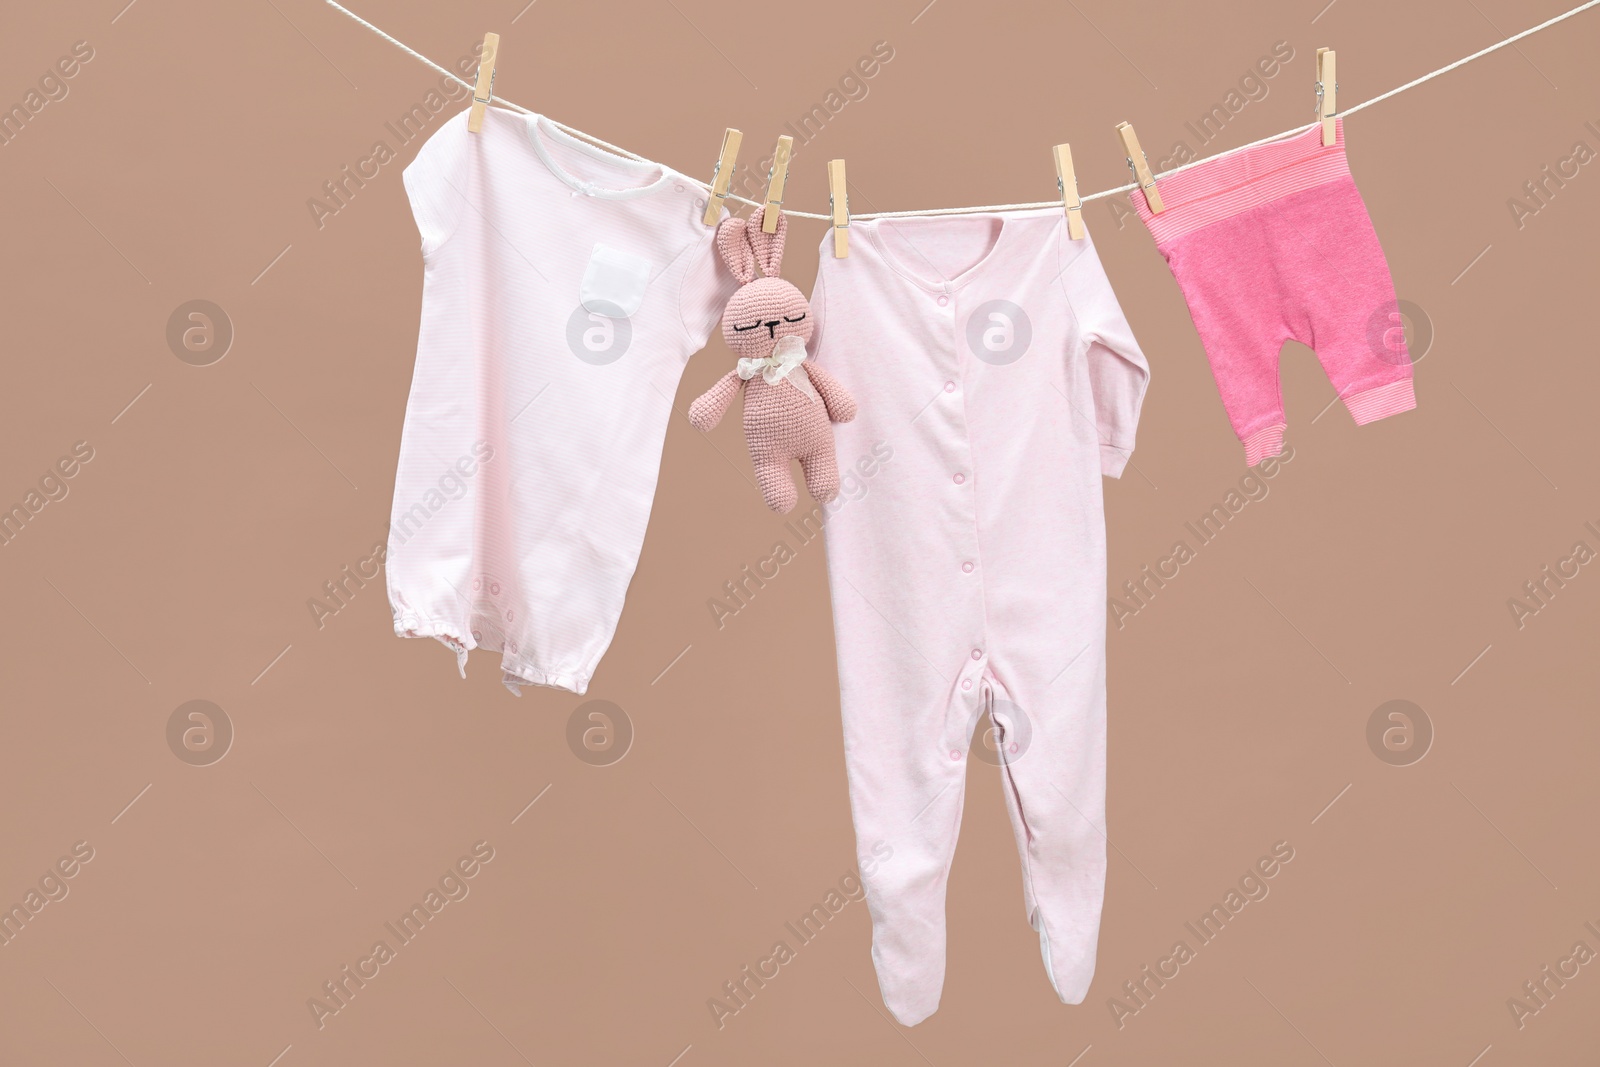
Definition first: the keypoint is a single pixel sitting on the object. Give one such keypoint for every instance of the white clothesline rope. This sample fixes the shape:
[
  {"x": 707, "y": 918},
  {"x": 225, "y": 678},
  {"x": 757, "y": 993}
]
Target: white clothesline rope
[{"x": 592, "y": 139}]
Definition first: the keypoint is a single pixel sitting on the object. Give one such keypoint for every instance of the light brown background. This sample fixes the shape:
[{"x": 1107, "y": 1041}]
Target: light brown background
[{"x": 180, "y": 565}]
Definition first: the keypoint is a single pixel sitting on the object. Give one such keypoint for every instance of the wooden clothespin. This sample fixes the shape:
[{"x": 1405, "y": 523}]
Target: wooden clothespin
[
  {"x": 776, "y": 179},
  {"x": 1141, "y": 167},
  {"x": 1067, "y": 182},
  {"x": 485, "y": 88},
  {"x": 1327, "y": 89},
  {"x": 723, "y": 175},
  {"x": 839, "y": 208}
]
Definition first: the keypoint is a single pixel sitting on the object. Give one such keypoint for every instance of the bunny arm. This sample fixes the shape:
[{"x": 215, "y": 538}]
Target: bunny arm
[
  {"x": 840, "y": 404},
  {"x": 711, "y": 405}
]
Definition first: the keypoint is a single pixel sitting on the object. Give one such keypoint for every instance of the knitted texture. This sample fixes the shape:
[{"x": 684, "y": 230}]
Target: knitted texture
[
  {"x": 1275, "y": 244},
  {"x": 783, "y": 421}
]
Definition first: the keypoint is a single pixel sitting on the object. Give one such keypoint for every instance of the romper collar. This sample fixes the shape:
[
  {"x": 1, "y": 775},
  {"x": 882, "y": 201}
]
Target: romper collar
[{"x": 541, "y": 129}]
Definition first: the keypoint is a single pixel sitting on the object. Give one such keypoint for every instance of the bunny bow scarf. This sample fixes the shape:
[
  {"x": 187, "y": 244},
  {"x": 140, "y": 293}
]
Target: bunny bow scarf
[{"x": 786, "y": 356}]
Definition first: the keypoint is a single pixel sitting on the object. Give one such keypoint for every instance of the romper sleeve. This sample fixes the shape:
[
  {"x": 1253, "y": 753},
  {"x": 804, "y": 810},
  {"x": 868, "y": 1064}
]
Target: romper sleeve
[
  {"x": 1118, "y": 373},
  {"x": 436, "y": 183},
  {"x": 704, "y": 288}
]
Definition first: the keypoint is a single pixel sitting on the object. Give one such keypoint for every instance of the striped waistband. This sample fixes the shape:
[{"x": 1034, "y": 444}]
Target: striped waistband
[{"x": 1222, "y": 188}]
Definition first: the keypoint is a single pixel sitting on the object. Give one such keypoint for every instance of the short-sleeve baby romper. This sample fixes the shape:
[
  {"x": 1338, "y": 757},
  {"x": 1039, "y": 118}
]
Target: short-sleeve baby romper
[{"x": 565, "y": 289}]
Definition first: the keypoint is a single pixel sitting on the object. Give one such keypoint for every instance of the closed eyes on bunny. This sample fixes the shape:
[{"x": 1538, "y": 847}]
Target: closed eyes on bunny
[{"x": 762, "y": 322}]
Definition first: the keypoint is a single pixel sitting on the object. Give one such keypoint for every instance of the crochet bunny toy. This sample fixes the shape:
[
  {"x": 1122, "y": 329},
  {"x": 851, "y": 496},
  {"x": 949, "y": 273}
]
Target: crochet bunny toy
[{"x": 788, "y": 401}]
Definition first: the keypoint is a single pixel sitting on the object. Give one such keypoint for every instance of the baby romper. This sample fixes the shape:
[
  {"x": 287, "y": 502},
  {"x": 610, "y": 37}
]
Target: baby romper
[
  {"x": 564, "y": 290},
  {"x": 996, "y": 381},
  {"x": 1274, "y": 244}
]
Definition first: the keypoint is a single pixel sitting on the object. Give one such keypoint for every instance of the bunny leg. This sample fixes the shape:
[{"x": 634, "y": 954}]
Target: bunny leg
[
  {"x": 777, "y": 486},
  {"x": 821, "y": 469}
]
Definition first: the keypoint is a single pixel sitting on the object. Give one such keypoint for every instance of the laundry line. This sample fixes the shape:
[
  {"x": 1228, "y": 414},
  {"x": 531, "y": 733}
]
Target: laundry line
[{"x": 985, "y": 208}]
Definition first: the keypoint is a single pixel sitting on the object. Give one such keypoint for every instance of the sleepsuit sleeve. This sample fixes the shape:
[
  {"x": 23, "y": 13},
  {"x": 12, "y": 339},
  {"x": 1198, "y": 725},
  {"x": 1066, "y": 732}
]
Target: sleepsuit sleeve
[{"x": 1118, "y": 373}]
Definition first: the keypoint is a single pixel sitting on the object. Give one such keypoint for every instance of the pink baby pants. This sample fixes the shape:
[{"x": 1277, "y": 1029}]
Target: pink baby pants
[{"x": 1274, "y": 244}]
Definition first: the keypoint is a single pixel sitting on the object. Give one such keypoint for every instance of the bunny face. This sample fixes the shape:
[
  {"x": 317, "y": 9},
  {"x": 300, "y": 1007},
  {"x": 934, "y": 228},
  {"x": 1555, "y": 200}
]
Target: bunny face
[
  {"x": 763, "y": 312},
  {"x": 767, "y": 309}
]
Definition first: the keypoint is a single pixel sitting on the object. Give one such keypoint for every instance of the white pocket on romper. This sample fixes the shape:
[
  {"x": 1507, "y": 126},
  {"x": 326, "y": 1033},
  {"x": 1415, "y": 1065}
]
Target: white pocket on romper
[{"x": 615, "y": 282}]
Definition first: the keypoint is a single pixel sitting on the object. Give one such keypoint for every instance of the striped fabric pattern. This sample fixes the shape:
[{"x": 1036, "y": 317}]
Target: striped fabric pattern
[
  {"x": 1374, "y": 404},
  {"x": 1235, "y": 184}
]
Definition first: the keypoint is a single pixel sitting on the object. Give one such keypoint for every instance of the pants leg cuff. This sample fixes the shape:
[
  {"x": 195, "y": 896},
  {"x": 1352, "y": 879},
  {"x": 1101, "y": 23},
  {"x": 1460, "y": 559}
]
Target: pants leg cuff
[
  {"x": 1267, "y": 441},
  {"x": 1370, "y": 405}
]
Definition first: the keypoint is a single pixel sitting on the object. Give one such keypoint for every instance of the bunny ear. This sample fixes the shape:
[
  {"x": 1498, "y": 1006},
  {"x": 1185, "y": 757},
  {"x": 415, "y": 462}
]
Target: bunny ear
[
  {"x": 767, "y": 247},
  {"x": 735, "y": 249}
]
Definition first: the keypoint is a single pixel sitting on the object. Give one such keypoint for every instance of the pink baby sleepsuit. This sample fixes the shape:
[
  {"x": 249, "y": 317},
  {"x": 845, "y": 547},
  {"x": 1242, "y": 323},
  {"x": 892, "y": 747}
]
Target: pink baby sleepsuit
[
  {"x": 992, "y": 365},
  {"x": 1275, "y": 244},
  {"x": 564, "y": 291}
]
